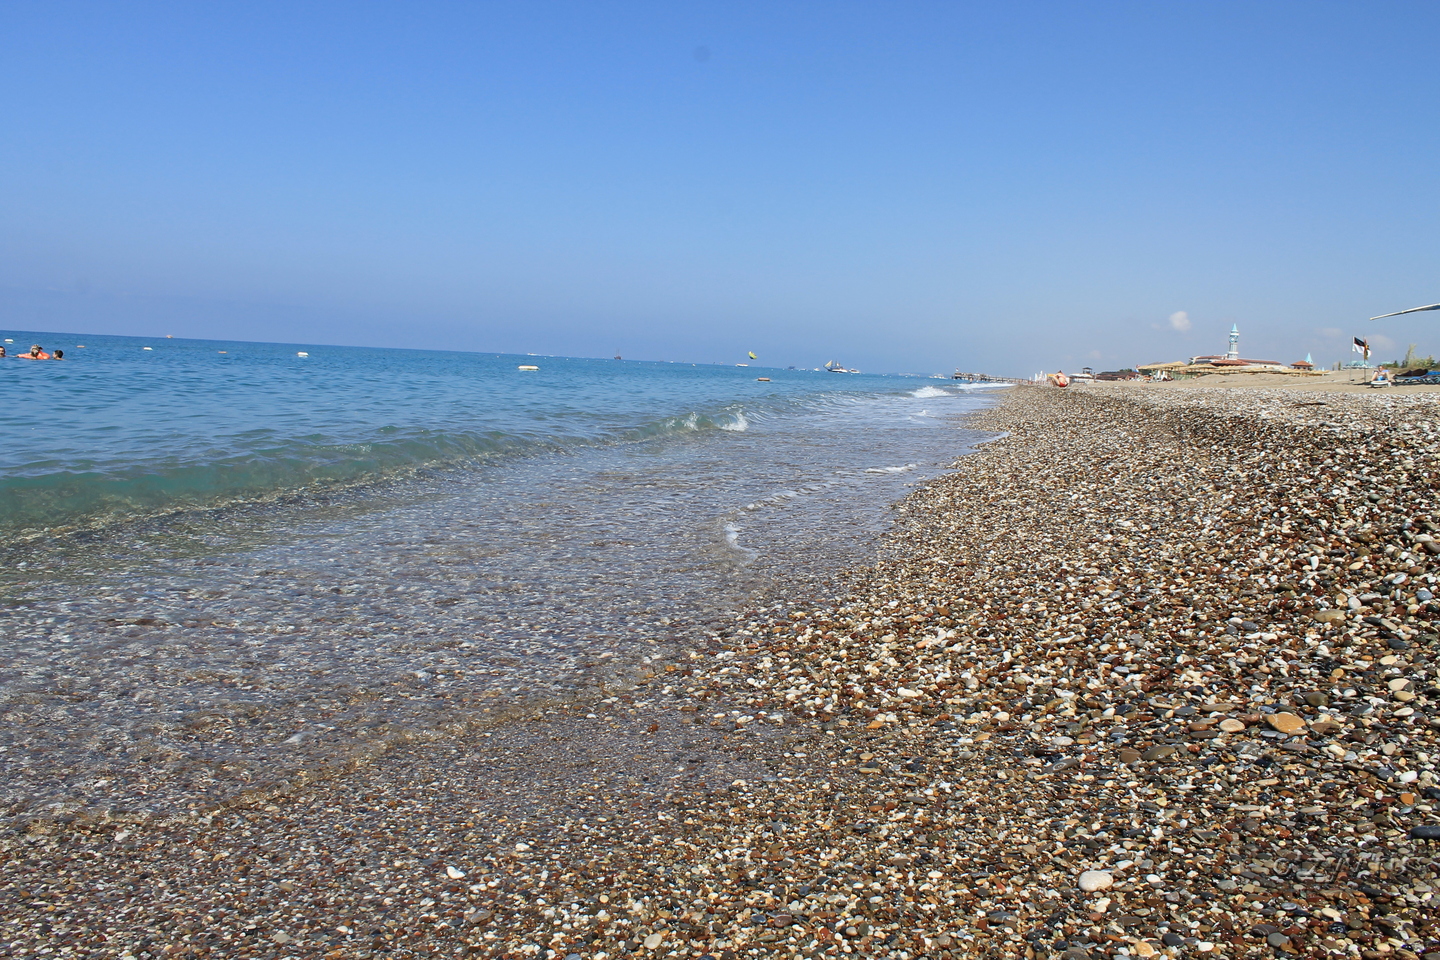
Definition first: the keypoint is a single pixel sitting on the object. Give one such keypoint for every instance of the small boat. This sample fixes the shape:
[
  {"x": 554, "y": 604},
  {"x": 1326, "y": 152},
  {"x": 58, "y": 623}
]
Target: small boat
[
  {"x": 835, "y": 367},
  {"x": 527, "y": 366},
  {"x": 302, "y": 353}
]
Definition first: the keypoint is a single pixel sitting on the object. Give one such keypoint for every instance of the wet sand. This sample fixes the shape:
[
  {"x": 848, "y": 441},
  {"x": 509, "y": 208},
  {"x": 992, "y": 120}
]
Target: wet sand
[{"x": 1178, "y": 643}]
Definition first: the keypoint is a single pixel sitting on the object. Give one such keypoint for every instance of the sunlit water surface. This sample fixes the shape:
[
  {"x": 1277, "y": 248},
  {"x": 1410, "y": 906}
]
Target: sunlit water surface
[{"x": 226, "y": 569}]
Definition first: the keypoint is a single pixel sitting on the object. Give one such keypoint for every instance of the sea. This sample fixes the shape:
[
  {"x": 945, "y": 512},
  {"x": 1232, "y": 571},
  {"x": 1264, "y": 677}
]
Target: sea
[{"x": 226, "y": 566}]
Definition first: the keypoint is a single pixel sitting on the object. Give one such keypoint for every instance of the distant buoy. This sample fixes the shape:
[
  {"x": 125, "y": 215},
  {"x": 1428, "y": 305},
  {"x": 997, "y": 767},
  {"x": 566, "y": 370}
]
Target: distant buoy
[
  {"x": 224, "y": 351},
  {"x": 527, "y": 366},
  {"x": 762, "y": 379}
]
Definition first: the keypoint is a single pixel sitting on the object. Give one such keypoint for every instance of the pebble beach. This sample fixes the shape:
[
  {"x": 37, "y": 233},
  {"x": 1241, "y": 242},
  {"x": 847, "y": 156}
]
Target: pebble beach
[{"x": 1152, "y": 673}]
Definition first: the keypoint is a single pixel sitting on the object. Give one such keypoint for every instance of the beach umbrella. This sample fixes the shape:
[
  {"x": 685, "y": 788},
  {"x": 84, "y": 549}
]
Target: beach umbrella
[{"x": 1433, "y": 306}]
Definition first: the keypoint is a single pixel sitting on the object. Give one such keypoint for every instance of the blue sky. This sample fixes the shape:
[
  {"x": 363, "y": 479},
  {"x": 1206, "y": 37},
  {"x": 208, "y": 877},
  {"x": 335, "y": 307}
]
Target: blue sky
[{"x": 901, "y": 186}]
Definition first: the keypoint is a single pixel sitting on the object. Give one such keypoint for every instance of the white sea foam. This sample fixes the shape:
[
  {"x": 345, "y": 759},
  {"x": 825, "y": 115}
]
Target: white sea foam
[
  {"x": 926, "y": 392},
  {"x": 738, "y": 425},
  {"x": 982, "y": 386},
  {"x": 732, "y": 540},
  {"x": 905, "y": 469}
]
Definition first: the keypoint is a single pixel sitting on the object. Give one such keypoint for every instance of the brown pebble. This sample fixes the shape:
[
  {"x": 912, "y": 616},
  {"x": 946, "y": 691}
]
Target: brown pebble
[{"x": 1286, "y": 723}]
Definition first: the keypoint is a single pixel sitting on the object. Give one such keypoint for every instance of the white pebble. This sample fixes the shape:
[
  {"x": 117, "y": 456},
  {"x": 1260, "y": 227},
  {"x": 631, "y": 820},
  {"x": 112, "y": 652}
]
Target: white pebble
[{"x": 1092, "y": 880}]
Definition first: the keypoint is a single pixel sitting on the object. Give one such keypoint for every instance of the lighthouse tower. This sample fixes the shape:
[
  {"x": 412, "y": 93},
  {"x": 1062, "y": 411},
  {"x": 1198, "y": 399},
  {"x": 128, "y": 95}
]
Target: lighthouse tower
[{"x": 1234, "y": 353}]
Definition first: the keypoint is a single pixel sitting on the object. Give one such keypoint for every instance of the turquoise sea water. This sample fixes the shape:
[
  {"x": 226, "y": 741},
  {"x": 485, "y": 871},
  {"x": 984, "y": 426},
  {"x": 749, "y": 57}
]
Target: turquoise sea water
[
  {"x": 128, "y": 425},
  {"x": 225, "y": 564}
]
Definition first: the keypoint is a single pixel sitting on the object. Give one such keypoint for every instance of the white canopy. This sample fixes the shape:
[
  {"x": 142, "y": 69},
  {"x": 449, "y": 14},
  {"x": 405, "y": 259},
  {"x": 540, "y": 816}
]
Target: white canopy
[{"x": 1433, "y": 306}]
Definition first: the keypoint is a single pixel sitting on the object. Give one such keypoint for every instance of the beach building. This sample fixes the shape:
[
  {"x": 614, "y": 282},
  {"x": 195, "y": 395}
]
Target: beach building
[
  {"x": 1231, "y": 359},
  {"x": 1172, "y": 367},
  {"x": 1228, "y": 362}
]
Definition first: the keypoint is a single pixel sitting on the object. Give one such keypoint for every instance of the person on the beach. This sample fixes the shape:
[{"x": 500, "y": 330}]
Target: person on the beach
[{"x": 35, "y": 353}]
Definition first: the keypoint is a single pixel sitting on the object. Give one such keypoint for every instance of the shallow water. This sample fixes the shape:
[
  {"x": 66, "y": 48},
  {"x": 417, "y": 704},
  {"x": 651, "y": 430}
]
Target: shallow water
[{"x": 170, "y": 655}]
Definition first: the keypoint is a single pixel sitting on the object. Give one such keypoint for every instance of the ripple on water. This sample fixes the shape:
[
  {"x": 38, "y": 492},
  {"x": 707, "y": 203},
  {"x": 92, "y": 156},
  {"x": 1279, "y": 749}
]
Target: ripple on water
[{"x": 300, "y": 638}]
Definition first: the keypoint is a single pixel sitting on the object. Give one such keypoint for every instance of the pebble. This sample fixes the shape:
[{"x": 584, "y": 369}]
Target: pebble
[
  {"x": 1286, "y": 723},
  {"x": 1093, "y": 880},
  {"x": 1245, "y": 508}
]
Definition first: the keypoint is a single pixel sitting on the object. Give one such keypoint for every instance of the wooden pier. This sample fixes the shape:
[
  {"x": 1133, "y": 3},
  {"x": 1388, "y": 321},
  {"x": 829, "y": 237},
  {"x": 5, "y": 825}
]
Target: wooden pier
[{"x": 982, "y": 378}]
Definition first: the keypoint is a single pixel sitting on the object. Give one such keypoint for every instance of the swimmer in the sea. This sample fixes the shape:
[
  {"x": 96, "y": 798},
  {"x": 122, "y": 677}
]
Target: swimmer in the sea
[
  {"x": 35, "y": 353},
  {"x": 59, "y": 354}
]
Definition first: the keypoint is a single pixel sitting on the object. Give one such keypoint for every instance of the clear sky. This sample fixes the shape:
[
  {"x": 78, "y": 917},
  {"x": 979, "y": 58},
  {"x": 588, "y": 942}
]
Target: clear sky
[{"x": 899, "y": 186}]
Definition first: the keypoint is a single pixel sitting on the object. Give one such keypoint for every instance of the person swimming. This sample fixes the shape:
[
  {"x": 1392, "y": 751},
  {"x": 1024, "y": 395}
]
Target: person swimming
[
  {"x": 35, "y": 354},
  {"x": 59, "y": 354}
]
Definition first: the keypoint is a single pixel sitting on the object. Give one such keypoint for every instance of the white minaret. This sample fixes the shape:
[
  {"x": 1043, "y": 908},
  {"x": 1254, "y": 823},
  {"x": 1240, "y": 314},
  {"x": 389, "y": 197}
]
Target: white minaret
[{"x": 1234, "y": 353}]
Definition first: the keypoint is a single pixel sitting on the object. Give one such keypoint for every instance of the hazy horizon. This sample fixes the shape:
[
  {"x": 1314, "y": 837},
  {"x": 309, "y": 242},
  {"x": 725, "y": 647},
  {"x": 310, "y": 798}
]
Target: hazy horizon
[{"x": 909, "y": 188}]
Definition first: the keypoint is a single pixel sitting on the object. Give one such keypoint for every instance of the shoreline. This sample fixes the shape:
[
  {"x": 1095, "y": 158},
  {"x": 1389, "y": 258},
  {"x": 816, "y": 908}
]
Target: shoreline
[{"x": 1038, "y": 679}]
